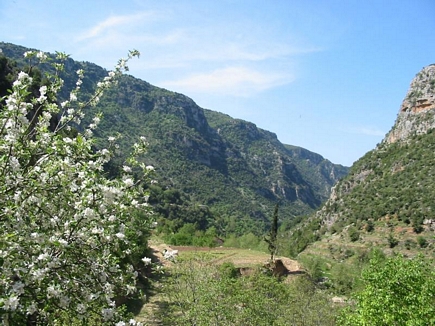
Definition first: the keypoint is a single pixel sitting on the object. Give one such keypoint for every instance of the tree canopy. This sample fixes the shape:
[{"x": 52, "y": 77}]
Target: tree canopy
[{"x": 71, "y": 240}]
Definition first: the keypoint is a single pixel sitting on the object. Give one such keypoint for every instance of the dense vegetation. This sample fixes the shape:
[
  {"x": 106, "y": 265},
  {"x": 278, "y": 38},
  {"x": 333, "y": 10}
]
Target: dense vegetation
[
  {"x": 200, "y": 293},
  {"x": 388, "y": 191},
  {"x": 199, "y": 290},
  {"x": 396, "y": 291}
]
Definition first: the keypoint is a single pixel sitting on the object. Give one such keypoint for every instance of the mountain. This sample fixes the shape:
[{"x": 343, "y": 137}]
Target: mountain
[
  {"x": 386, "y": 200},
  {"x": 229, "y": 170}
]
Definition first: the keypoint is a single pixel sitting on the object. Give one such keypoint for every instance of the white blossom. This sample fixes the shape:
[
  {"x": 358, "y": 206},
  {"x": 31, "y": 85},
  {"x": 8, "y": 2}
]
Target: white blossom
[
  {"x": 41, "y": 55},
  {"x": 32, "y": 308},
  {"x": 15, "y": 164},
  {"x": 62, "y": 248},
  {"x": 81, "y": 309},
  {"x": 107, "y": 314},
  {"x": 11, "y": 303},
  {"x": 28, "y": 54},
  {"x": 80, "y": 73},
  {"x": 18, "y": 287},
  {"x": 52, "y": 292},
  {"x": 64, "y": 301},
  {"x": 128, "y": 182},
  {"x": 43, "y": 256}
]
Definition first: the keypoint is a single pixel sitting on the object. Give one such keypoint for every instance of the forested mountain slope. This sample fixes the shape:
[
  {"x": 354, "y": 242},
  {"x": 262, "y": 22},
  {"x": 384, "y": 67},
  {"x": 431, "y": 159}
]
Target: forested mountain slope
[
  {"x": 211, "y": 168},
  {"x": 387, "y": 198}
]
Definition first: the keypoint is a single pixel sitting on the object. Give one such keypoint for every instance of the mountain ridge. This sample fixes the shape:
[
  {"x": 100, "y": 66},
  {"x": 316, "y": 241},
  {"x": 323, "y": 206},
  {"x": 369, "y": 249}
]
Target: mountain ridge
[
  {"x": 386, "y": 199},
  {"x": 229, "y": 166}
]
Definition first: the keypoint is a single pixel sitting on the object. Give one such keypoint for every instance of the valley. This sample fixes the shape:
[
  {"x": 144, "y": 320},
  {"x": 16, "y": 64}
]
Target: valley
[{"x": 265, "y": 232}]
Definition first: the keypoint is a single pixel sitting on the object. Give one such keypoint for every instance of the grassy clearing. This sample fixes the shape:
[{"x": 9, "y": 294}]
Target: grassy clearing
[{"x": 239, "y": 257}]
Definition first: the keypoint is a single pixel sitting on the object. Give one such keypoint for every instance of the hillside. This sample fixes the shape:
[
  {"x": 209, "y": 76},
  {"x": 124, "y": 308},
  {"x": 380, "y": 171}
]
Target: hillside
[
  {"x": 387, "y": 198},
  {"x": 211, "y": 169}
]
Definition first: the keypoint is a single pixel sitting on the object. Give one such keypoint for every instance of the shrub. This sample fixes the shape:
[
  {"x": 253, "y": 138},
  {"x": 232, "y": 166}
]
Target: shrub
[
  {"x": 343, "y": 278},
  {"x": 353, "y": 234},
  {"x": 370, "y": 226},
  {"x": 228, "y": 270},
  {"x": 398, "y": 291},
  {"x": 313, "y": 266},
  {"x": 392, "y": 241},
  {"x": 422, "y": 242}
]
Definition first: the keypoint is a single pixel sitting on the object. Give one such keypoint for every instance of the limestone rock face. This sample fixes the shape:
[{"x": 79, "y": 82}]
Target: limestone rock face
[
  {"x": 417, "y": 113},
  {"x": 393, "y": 182}
]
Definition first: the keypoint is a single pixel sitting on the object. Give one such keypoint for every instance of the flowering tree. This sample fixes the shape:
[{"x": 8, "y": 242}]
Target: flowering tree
[{"x": 68, "y": 233}]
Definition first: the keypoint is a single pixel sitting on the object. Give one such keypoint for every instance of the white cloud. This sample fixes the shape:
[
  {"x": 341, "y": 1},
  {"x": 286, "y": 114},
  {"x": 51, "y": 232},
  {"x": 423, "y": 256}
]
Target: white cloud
[
  {"x": 235, "y": 81},
  {"x": 369, "y": 131},
  {"x": 120, "y": 39},
  {"x": 113, "y": 23},
  {"x": 191, "y": 53},
  {"x": 372, "y": 132},
  {"x": 215, "y": 51},
  {"x": 178, "y": 51}
]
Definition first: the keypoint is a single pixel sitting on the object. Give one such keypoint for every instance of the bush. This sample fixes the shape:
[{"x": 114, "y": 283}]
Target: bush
[
  {"x": 398, "y": 291},
  {"x": 180, "y": 239},
  {"x": 392, "y": 241},
  {"x": 313, "y": 266},
  {"x": 409, "y": 244},
  {"x": 228, "y": 270},
  {"x": 343, "y": 278},
  {"x": 422, "y": 242},
  {"x": 188, "y": 235},
  {"x": 232, "y": 241},
  {"x": 370, "y": 226},
  {"x": 353, "y": 234}
]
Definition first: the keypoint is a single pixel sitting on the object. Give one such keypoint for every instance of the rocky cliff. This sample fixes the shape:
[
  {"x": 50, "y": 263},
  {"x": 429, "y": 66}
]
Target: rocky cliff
[
  {"x": 229, "y": 166},
  {"x": 386, "y": 199},
  {"x": 416, "y": 115}
]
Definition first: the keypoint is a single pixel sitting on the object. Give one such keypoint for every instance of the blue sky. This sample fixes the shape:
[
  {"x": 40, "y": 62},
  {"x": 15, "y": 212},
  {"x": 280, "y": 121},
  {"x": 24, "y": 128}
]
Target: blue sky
[{"x": 328, "y": 76}]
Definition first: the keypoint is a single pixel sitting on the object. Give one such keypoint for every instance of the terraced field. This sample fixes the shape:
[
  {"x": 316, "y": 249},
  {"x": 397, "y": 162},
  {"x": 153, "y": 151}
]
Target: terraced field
[{"x": 241, "y": 258}]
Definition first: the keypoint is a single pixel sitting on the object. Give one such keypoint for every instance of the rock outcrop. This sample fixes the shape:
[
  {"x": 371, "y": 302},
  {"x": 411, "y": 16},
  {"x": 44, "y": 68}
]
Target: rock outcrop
[
  {"x": 389, "y": 189},
  {"x": 417, "y": 113}
]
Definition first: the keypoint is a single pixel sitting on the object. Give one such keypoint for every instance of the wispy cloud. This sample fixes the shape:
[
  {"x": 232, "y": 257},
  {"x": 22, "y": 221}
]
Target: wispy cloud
[
  {"x": 372, "y": 132},
  {"x": 219, "y": 51},
  {"x": 236, "y": 81},
  {"x": 369, "y": 131},
  {"x": 121, "y": 39},
  {"x": 199, "y": 56},
  {"x": 114, "y": 22}
]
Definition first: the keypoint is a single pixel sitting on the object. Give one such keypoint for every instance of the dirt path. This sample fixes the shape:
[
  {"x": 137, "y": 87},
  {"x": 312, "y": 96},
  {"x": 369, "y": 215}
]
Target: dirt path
[{"x": 149, "y": 314}]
